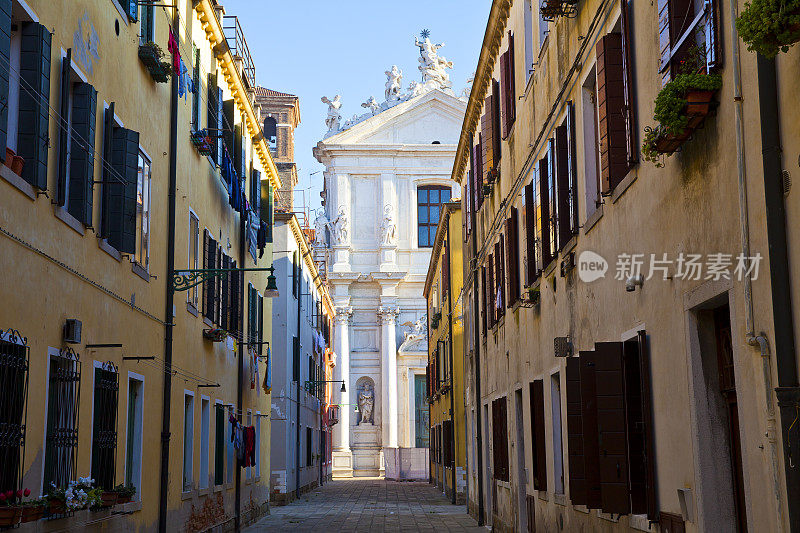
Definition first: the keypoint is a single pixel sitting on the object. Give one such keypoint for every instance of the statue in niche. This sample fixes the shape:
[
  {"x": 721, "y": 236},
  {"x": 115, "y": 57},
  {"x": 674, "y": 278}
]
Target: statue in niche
[
  {"x": 321, "y": 224},
  {"x": 393, "y": 83},
  {"x": 333, "y": 118},
  {"x": 366, "y": 403},
  {"x": 388, "y": 227},
  {"x": 340, "y": 227}
]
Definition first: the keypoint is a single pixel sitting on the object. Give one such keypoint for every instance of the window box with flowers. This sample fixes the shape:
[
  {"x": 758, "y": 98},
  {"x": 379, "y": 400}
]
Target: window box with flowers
[
  {"x": 10, "y": 508},
  {"x": 152, "y": 57},
  {"x": 203, "y": 142},
  {"x": 435, "y": 319},
  {"x": 125, "y": 493},
  {"x": 77, "y": 495},
  {"x": 769, "y": 26}
]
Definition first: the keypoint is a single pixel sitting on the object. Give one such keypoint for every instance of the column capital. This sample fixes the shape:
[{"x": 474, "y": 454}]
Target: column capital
[
  {"x": 343, "y": 314},
  {"x": 387, "y": 314}
]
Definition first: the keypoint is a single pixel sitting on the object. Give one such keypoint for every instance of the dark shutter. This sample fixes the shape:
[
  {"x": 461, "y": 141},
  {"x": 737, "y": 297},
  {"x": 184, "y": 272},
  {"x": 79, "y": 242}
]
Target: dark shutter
[
  {"x": 267, "y": 212},
  {"x": 504, "y": 88},
  {"x": 61, "y": 196},
  {"x": 133, "y": 10},
  {"x": 478, "y": 174},
  {"x": 544, "y": 210},
  {"x": 512, "y": 86},
  {"x": 512, "y": 253},
  {"x": 552, "y": 199},
  {"x": 220, "y": 124},
  {"x": 496, "y": 128},
  {"x": 81, "y": 158},
  {"x": 196, "y": 93},
  {"x": 538, "y": 438},
  {"x": 591, "y": 445},
  {"x": 446, "y": 269},
  {"x": 613, "y": 446},
  {"x": 5, "y": 58},
  {"x": 486, "y": 142},
  {"x": 260, "y": 323},
  {"x": 530, "y": 232},
  {"x": 227, "y": 125},
  {"x": 296, "y": 358},
  {"x": 562, "y": 183},
  {"x": 490, "y": 292},
  {"x": 572, "y": 162},
  {"x": 219, "y": 288},
  {"x": 206, "y": 263},
  {"x": 34, "y": 106},
  {"x": 484, "y": 316},
  {"x": 225, "y": 281},
  {"x": 255, "y": 194},
  {"x": 110, "y": 180},
  {"x": 148, "y": 21},
  {"x": 238, "y": 151},
  {"x": 211, "y": 112},
  {"x": 500, "y": 439},
  {"x": 122, "y": 198},
  {"x": 577, "y": 467},
  {"x": 671, "y": 523},
  {"x": 631, "y": 138},
  {"x": 611, "y": 111}
]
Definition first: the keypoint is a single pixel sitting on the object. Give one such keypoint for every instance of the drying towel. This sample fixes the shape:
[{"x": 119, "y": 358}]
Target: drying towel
[
  {"x": 250, "y": 446},
  {"x": 173, "y": 47}
]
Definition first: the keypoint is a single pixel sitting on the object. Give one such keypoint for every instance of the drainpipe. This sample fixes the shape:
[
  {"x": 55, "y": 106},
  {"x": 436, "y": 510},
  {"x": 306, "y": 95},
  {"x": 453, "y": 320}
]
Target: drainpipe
[
  {"x": 476, "y": 328},
  {"x": 788, "y": 391},
  {"x": 299, "y": 371},
  {"x": 751, "y": 338},
  {"x": 237, "y": 521},
  {"x": 452, "y": 377},
  {"x": 169, "y": 314}
]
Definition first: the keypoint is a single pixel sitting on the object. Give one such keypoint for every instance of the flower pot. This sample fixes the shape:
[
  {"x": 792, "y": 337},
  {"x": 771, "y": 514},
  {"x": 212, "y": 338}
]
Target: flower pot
[
  {"x": 10, "y": 516},
  {"x": 124, "y": 499},
  {"x": 149, "y": 56},
  {"x": 32, "y": 513},
  {"x": 9, "y": 157},
  {"x": 108, "y": 499},
  {"x": 57, "y": 506},
  {"x": 667, "y": 144},
  {"x": 699, "y": 102},
  {"x": 17, "y": 164}
]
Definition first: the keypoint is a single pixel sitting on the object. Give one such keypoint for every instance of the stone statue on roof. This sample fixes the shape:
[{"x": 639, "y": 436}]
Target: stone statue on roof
[
  {"x": 393, "y": 83},
  {"x": 333, "y": 118},
  {"x": 433, "y": 66}
]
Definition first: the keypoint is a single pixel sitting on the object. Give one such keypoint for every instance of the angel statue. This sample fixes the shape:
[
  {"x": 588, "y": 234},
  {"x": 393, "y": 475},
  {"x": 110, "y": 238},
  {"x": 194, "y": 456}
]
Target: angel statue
[
  {"x": 371, "y": 104},
  {"x": 333, "y": 118},
  {"x": 431, "y": 65},
  {"x": 394, "y": 79}
]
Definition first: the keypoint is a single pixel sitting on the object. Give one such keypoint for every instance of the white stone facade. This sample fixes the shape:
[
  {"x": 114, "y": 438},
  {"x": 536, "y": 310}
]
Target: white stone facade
[{"x": 376, "y": 269}]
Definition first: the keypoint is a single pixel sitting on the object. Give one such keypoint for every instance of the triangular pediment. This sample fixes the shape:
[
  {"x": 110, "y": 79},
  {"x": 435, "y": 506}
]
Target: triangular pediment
[{"x": 433, "y": 116}]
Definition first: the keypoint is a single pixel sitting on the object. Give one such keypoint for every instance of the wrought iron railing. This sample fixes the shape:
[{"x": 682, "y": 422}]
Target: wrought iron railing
[
  {"x": 63, "y": 399},
  {"x": 239, "y": 49},
  {"x": 14, "y": 359},
  {"x": 104, "y": 428}
]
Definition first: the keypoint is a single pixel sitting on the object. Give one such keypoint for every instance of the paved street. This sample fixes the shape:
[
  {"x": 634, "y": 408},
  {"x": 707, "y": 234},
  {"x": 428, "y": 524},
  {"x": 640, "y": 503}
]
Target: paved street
[{"x": 369, "y": 504}]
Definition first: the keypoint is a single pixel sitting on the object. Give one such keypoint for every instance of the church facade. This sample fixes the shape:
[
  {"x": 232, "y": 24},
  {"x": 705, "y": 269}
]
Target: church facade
[{"x": 386, "y": 175}]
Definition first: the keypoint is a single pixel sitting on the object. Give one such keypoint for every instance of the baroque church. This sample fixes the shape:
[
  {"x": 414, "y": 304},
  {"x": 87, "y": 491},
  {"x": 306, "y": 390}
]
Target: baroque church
[{"x": 387, "y": 174}]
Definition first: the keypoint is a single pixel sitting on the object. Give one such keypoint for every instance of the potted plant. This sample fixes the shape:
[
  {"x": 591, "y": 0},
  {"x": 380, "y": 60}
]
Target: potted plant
[
  {"x": 125, "y": 492},
  {"x": 10, "y": 510},
  {"x": 769, "y": 26},
  {"x": 681, "y": 106},
  {"x": 32, "y": 509},
  {"x": 534, "y": 295},
  {"x": 150, "y": 54},
  {"x": 437, "y": 317},
  {"x": 107, "y": 498}
]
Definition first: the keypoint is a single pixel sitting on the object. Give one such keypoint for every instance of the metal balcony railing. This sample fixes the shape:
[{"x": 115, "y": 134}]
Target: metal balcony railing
[{"x": 239, "y": 49}]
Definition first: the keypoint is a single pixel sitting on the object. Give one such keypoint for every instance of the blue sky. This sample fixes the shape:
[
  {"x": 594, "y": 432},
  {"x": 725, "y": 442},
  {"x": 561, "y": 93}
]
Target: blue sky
[{"x": 315, "y": 48}]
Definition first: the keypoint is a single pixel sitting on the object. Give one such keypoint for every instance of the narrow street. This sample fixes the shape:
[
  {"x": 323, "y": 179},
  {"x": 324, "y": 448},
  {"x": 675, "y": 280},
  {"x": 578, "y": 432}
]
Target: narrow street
[{"x": 369, "y": 504}]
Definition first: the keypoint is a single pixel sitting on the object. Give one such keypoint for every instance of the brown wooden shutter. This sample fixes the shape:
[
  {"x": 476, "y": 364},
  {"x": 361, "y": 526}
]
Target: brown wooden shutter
[
  {"x": 479, "y": 176},
  {"x": 611, "y": 111},
  {"x": 495, "y": 123},
  {"x": 225, "y": 317},
  {"x": 530, "y": 232},
  {"x": 484, "y": 316},
  {"x": 512, "y": 232},
  {"x": 500, "y": 278},
  {"x": 631, "y": 137},
  {"x": 538, "y": 438},
  {"x": 500, "y": 439},
  {"x": 563, "y": 185},
  {"x": 577, "y": 467},
  {"x": 610, "y": 388},
  {"x": 573, "y": 168},
  {"x": 487, "y": 143},
  {"x": 544, "y": 210},
  {"x": 504, "y": 90},
  {"x": 206, "y": 284},
  {"x": 489, "y": 290},
  {"x": 512, "y": 86},
  {"x": 591, "y": 445}
]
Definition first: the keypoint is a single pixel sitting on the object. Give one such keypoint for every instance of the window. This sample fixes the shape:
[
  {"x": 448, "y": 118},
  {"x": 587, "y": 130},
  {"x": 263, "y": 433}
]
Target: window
[
  {"x": 120, "y": 185},
  {"x": 196, "y": 93},
  {"x": 205, "y": 435},
  {"x": 13, "y": 398},
  {"x": 188, "y": 440},
  {"x": 62, "y": 418},
  {"x": 194, "y": 255},
  {"x": 76, "y": 143},
  {"x": 133, "y": 443},
  {"x": 508, "y": 93},
  {"x": 500, "y": 439},
  {"x": 147, "y": 20},
  {"x": 219, "y": 444},
  {"x": 26, "y": 82},
  {"x": 429, "y": 204},
  {"x": 229, "y": 441},
  {"x": 258, "y": 445},
  {"x": 566, "y": 180},
  {"x": 512, "y": 257},
  {"x": 529, "y": 58},
  {"x": 249, "y": 470},
  {"x": 489, "y": 139},
  {"x": 271, "y": 133},
  {"x": 309, "y": 447},
  {"x": 543, "y": 30},
  {"x": 682, "y": 25},
  {"x": 255, "y": 318},
  {"x": 142, "y": 255},
  {"x": 558, "y": 453},
  {"x": 104, "y": 427},
  {"x": 448, "y": 444},
  {"x": 591, "y": 152},
  {"x": 538, "y": 436}
]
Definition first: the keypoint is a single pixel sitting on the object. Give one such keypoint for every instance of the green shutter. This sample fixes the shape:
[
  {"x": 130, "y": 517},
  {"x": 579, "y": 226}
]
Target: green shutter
[
  {"x": 33, "y": 136},
  {"x": 109, "y": 179},
  {"x": 219, "y": 445},
  {"x": 226, "y": 124},
  {"x": 260, "y": 323},
  {"x": 122, "y": 205},
  {"x": 5, "y": 57},
  {"x": 66, "y": 62},
  {"x": 81, "y": 159},
  {"x": 268, "y": 214},
  {"x": 133, "y": 10},
  {"x": 196, "y": 93},
  {"x": 212, "y": 114},
  {"x": 238, "y": 151},
  {"x": 220, "y": 125}
]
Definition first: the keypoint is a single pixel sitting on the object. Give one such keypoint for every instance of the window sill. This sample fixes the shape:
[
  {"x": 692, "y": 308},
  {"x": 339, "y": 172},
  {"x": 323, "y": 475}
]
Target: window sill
[
  {"x": 64, "y": 216},
  {"x": 607, "y": 516},
  {"x": 550, "y": 268},
  {"x": 137, "y": 269},
  {"x": 581, "y": 509},
  {"x": 128, "y": 508},
  {"x": 17, "y": 182},
  {"x": 593, "y": 219},
  {"x": 503, "y": 484},
  {"x": 110, "y": 250},
  {"x": 187, "y": 495},
  {"x": 560, "y": 499},
  {"x": 191, "y": 308},
  {"x": 639, "y": 522},
  {"x": 207, "y": 322},
  {"x": 542, "y": 495},
  {"x": 219, "y": 488},
  {"x": 623, "y": 185},
  {"x": 203, "y": 491}
]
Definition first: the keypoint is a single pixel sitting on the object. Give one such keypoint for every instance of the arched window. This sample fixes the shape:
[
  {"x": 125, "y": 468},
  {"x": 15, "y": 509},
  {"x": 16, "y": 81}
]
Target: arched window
[
  {"x": 271, "y": 131},
  {"x": 429, "y": 202}
]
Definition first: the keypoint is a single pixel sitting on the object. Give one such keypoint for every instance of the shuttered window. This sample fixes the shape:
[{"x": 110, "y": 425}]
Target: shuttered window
[
  {"x": 228, "y": 130},
  {"x": 5, "y": 59},
  {"x": 255, "y": 190},
  {"x": 477, "y": 174},
  {"x": 508, "y": 97},
  {"x": 122, "y": 190},
  {"x": 500, "y": 439},
  {"x": 225, "y": 283},
  {"x": 490, "y": 291},
  {"x": 575, "y": 452},
  {"x": 484, "y": 316},
  {"x": 566, "y": 178},
  {"x": 196, "y": 93},
  {"x": 104, "y": 430},
  {"x": 445, "y": 270},
  {"x": 543, "y": 213},
  {"x": 591, "y": 445},
  {"x": 209, "y": 285},
  {"x": 81, "y": 152},
  {"x": 448, "y": 454},
  {"x": 214, "y": 118},
  {"x": 683, "y": 24},
  {"x": 538, "y": 438},
  {"x": 512, "y": 256},
  {"x": 490, "y": 135},
  {"x": 234, "y": 299},
  {"x": 552, "y": 200},
  {"x": 500, "y": 278},
  {"x": 33, "y": 136},
  {"x": 147, "y": 14},
  {"x": 530, "y": 233}
]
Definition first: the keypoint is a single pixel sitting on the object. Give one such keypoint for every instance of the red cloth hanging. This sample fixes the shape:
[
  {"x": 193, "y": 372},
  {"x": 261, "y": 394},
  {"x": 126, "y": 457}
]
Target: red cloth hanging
[
  {"x": 250, "y": 446},
  {"x": 173, "y": 47}
]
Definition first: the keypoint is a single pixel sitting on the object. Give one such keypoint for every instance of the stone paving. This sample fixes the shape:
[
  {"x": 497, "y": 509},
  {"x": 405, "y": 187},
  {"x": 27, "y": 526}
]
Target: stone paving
[{"x": 369, "y": 504}]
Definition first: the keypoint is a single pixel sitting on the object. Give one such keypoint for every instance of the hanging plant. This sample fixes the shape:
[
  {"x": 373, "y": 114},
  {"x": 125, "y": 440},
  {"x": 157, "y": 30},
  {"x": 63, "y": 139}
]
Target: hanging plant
[
  {"x": 681, "y": 106},
  {"x": 769, "y": 26}
]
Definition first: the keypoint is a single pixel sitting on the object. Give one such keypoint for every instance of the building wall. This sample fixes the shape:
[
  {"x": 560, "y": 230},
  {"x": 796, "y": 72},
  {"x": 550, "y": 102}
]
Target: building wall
[
  {"x": 691, "y": 206},
  {"x": 57, "y": 268}
]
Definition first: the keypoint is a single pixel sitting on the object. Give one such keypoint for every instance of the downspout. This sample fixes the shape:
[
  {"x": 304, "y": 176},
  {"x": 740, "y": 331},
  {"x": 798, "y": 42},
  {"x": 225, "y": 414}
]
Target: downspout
[
  {"x": 744, "y": 224},
  {"x": 237, "y": 521},
  {"x": 452, "y": 377},
  {"x": 299, "y": 371},
  {"x": 788, "y": 391},
  {"x": 476, "y": 328},
  {"x": 169, "y": 314}
]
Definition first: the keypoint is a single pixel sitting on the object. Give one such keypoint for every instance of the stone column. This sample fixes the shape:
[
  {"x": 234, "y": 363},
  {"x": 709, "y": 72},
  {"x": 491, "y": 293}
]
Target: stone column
[
  {"x": 341, "y": 454},
  {"x": 388, "y": 316}
]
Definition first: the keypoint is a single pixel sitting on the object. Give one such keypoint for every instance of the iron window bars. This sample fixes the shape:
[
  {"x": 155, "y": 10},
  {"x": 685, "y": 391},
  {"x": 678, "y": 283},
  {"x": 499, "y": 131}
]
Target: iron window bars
[
  {"x": 14, "y": 361},
  {"x": 104, "y": 428},
  {"x": 62, "y": 418}
]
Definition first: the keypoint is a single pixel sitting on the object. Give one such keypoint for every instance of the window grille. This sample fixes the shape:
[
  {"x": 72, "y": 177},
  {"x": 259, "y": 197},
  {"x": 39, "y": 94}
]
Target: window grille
[
  {"x": 104, "y": 430},
  {"x": 62, "y": 418},
  {"x": 13, "y": 407}
]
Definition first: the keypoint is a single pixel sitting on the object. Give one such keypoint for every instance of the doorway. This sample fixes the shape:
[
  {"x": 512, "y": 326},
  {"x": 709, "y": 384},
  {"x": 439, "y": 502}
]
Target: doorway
[
  {"x": 522, "y": 472},
  {"x": 421, "y": 413}
]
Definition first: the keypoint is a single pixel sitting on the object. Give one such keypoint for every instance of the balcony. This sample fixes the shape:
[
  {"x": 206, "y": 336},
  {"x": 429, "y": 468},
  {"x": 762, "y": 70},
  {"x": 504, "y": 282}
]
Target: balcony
[{"x": 239, "y": 49}]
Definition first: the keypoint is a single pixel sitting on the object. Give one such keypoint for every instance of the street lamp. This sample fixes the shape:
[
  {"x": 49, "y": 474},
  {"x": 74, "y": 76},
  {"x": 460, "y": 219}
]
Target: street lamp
[{"x": 272, "y": 285}]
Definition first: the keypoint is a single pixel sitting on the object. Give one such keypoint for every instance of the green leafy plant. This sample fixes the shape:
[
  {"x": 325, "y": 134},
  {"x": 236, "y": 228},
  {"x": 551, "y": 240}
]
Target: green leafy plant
[
  {"x": 769, "y": 26},
  {"x": 534, "y": 295}
]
